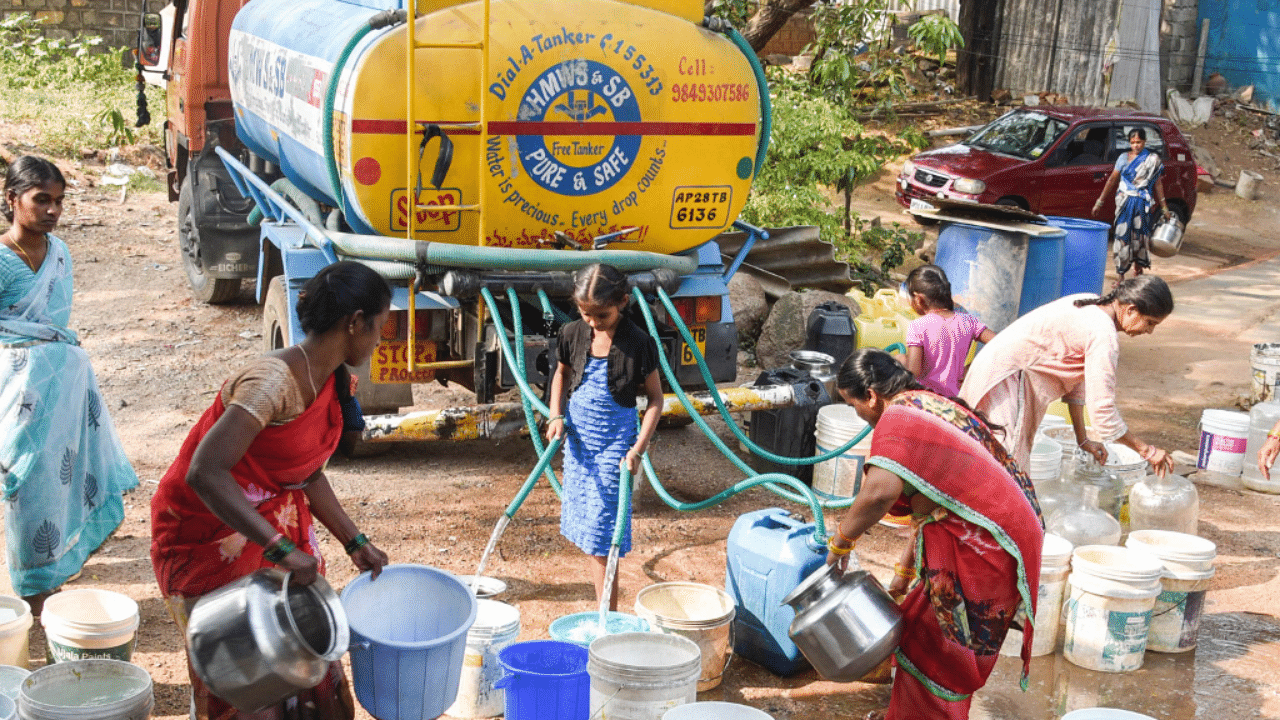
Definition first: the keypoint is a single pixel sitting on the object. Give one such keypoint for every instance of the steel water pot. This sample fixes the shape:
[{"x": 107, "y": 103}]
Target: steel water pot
[
  {"x": 1166, "y": 238},
  {"x": 259, "y": 640},
  {"x": 846, "y": 624}
]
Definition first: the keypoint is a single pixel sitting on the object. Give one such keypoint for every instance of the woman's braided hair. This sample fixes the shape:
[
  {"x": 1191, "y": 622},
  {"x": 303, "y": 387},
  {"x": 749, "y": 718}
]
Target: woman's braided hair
[
  {"x": 599, "y": 284},
  {"x": 1148, "y": 293}
]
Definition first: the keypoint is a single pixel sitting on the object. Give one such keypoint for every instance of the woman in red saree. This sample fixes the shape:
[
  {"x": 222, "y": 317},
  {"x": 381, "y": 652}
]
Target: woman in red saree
[
  {"x": 977, "y": 540},
  {"x": 250, "y": 476}
]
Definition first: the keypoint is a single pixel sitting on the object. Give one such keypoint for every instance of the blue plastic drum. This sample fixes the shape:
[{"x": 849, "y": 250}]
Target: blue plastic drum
[
  {"x": 1042, "y": 279},
  {"x": 985, "y": 266},
  {"x": 1085, "y": 254}
]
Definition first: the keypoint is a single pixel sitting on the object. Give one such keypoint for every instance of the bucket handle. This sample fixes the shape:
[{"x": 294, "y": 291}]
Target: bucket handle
[{"x": 603, "y": 705}]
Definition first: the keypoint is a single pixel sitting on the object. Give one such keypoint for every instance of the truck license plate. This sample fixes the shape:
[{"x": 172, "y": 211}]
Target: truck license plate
[
  {"x": 389, "y": 365},
  {"x": 699, "y": 333}
]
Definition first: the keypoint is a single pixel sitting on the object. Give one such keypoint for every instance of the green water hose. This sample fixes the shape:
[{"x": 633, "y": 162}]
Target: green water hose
[
  {"x": 514, "y": 301},
  {"x": 544, "y": 460}
]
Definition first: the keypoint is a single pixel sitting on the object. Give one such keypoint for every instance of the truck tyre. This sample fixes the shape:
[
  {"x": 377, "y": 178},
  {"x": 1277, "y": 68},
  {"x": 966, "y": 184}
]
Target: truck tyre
[
  {"x": 275, "y": 316},
  {"x": 206, "y": 289}
]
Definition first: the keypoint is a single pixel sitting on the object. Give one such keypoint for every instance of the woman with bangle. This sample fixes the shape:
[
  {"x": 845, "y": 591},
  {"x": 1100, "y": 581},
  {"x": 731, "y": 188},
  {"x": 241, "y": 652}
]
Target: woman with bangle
[
  {"x": 250, "y": 475},
  {"x": 1068, "y": 349},
  {"x": 1136, "y": 183},
  {"x": 978, "y": 535}
]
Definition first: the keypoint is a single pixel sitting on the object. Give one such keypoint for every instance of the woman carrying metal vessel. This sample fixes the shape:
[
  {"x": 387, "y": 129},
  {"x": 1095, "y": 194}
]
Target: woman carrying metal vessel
[
  {"x": 250, "y": 476},
  {"x": 1136, "y": 183},
  {"x": 1068, "y": 349},
  {"x": 973, "y": 565},
  {"x": 63, "y": 467}
]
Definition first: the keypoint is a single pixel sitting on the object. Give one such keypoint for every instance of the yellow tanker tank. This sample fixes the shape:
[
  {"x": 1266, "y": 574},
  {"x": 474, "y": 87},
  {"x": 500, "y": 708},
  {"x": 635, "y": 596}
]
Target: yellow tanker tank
[{"x": 596, "y": 117}]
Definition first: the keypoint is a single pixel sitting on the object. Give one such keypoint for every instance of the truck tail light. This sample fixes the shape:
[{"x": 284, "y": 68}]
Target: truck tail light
[{"x": 698, "y": 310}]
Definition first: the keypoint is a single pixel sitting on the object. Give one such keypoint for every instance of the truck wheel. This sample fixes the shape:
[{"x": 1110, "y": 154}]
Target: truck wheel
[
  {"x": 206, "y": 289},
  {"x": 275, "y": 316}
]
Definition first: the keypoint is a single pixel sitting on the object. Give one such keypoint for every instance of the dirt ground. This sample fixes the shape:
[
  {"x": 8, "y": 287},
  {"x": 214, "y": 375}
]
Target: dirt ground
[{"x": 160, "y": 356}]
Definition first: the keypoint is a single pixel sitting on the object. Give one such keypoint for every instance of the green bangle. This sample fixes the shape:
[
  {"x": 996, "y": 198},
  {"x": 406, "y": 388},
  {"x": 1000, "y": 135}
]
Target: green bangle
[
  {"x": 278, "y": 550},
  {"x": 356, "y": 543}
]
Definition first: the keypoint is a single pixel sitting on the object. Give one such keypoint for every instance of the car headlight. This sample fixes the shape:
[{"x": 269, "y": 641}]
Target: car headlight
[
  {"x": 969, "y": 186},
  {"x": 908, "y": 168}
]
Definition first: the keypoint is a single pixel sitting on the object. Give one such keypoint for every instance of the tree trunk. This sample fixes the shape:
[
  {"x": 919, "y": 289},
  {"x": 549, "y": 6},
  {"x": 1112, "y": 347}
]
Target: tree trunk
[
  {"x": 769, "y": 19},
  {"x": 976, "y": 61}
]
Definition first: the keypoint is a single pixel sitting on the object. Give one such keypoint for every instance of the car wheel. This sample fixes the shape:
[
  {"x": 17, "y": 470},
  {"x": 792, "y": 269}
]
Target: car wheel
[
  {"x": 205, "y": 289},
  {"x": 1179, "y": 209},
  {"x": 1013, "y": 202}
]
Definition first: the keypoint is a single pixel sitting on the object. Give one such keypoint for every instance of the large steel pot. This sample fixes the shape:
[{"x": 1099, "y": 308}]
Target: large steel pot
[
  {"x": 846, "y": 624},
  {"x": 1167, "y": 237},
  {"x": 259, "y": 640}
]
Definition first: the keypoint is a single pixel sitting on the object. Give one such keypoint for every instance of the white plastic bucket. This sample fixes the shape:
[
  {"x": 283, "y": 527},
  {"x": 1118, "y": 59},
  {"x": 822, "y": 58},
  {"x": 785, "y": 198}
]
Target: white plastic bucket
[
  {"x": 96, "y": 689},
  {"x": 715, "y": 710},
  {"x": 89, "y": 623},
  {"x": 1265, "y": 360},
  {"x": 839, "y": 477},
  {"x": 1065, "y": 435},
  {"x": 15, "y": 622},
  {"x": 8, "y": 708},
  {"x": 11, "y": 677},
  {"x": 1262, "y": 417},
  {"x": 1188, "y": 570},
  {"x": 702, "y": 613},
  {"x": 640, "y": 676},
  {"x": 1223, "y": 436},
  {"x": 497, "y": 625},
  {"x": 1055, "y": 562},
  {"x": 1113, "y": 591},
  {"x": 1045, "y": 464}
]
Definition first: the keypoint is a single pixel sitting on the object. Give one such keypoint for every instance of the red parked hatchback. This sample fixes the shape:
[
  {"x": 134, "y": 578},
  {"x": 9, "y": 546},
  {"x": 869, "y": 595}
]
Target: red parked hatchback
[{"x": 1049, "y": 160}]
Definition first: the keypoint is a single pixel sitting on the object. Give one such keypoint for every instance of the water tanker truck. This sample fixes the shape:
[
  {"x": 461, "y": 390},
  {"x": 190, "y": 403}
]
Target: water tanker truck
[{"x": 462, "y": 149}]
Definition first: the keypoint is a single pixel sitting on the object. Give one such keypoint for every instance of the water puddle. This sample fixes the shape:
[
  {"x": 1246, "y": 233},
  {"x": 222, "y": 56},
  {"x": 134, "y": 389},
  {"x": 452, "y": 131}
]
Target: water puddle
[{"x": 1229, "y": 675}]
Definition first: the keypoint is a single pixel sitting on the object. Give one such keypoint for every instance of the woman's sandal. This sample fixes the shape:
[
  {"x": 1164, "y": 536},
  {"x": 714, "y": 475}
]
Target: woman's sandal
[{"x": 876, "y": 714}]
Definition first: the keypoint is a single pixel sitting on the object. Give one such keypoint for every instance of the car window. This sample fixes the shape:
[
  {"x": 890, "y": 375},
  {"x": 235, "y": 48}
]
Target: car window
[
  {"x": 1087, "y": 145},
  {"x": 1155, "y": 141},
  {"x": 1021, "y": 134}
]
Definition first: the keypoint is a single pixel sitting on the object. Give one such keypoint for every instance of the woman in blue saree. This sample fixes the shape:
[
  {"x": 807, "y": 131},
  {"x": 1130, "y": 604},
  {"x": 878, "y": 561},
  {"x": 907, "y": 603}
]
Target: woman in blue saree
[
  {"x": 1136, "y": 183},
  {"x": 61, "y": 462}
]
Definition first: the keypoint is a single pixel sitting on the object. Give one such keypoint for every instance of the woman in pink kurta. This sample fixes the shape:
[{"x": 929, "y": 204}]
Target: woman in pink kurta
[{"x": 1067, "y": 349}]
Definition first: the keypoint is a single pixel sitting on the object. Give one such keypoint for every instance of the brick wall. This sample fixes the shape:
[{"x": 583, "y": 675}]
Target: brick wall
[
  {"x": 116, "y": 21},
  {"x": 793, "y": 37},
  {"x": 1179, "y": 38}
]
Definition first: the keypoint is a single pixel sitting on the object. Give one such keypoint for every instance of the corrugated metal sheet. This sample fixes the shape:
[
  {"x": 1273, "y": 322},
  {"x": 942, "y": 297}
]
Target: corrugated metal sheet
[
  {"x": 795, "y": 254},
  {"x": 1056, "y": 46}
]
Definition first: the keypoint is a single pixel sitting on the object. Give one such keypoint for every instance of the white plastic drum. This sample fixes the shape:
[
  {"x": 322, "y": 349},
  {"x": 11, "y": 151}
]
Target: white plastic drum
[
  {"x": 839, "y": 477},
  {"x": 640, "y": 676},
  {"x": 497, "y": 625}
]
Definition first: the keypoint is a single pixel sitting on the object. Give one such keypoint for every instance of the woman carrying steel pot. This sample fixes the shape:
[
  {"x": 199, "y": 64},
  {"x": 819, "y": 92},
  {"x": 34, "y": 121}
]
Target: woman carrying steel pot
[
  {"x": 250, "y": 476},
  {"x": 972, "y": 567}
]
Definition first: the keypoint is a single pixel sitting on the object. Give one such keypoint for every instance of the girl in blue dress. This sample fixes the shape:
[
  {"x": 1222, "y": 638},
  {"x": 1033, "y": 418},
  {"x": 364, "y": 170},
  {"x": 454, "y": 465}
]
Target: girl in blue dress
[{"x": 604, "y": 361}]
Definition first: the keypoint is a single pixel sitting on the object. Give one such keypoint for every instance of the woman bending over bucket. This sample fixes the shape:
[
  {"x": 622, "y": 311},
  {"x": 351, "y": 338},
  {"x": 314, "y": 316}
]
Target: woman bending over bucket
[
  {"x": 1068, "y": 349},
  {"x": 250, "y": 476},
  {"x": 972, "y": 568},
  {"x": 604, "y": 361},
  {"x": 63, "y": 468}
]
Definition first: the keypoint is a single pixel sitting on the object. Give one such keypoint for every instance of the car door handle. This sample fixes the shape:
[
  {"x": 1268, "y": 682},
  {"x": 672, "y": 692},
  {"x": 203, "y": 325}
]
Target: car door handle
[{"x": 1099, "y": 175}]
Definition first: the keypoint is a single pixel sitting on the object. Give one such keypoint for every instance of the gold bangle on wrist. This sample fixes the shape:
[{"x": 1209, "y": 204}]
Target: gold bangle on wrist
[
  {"x": 904, "y": 572},
  {"x": 838, "y": 550},
  {"x": 852, "y": 541}
]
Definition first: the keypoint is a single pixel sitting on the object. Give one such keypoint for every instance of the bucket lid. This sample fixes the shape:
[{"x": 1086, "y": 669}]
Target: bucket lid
[
  {"x": 1117, "y": 563},
  {"x": 715, "y": 710},
  {"x": 1226, "y": 419},
  {"x": 1178, "y": 547},
  {"x": 1057, "y": 550},
  {"x": 494, "y": 618}
]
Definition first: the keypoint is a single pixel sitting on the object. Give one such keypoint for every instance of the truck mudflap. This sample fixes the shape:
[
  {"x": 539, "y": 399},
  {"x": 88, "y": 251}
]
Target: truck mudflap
[{"x": 226, "y": 244}]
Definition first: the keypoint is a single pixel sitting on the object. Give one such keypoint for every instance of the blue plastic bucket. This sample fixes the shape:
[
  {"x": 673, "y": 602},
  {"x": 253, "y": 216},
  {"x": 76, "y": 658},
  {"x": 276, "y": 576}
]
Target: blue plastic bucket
[
  {"x": 1085, "y": 256},
  {"x": 584, "y": 627},
  {"x": 1042, "y": 279},
  {"x": 545, "y": 680},
  {"x": 985, "y": 266},
  {"x": 408, "y": 638}
]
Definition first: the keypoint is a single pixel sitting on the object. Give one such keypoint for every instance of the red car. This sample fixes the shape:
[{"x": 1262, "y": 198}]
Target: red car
[{"x": 1049, "y": 160}]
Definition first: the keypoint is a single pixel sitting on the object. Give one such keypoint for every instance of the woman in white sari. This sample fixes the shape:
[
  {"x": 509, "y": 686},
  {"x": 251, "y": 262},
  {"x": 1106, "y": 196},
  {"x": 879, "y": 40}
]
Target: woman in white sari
[{"x": 61, "y": 462}]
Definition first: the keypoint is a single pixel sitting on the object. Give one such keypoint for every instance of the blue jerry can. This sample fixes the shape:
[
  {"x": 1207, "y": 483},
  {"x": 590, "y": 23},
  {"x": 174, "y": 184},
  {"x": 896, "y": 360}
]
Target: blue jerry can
[{"x": 768, "y": 554}]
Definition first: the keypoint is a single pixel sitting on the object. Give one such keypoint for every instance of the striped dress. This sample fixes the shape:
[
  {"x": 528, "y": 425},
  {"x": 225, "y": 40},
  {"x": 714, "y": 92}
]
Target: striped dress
[{"x": 601, "y": 432}]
